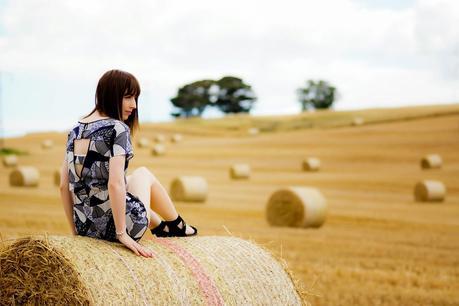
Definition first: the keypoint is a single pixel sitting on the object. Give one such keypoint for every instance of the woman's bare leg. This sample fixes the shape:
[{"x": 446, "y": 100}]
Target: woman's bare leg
[
  {"x": 143, "y": 184},
  {"x": 141, "y": 189}
]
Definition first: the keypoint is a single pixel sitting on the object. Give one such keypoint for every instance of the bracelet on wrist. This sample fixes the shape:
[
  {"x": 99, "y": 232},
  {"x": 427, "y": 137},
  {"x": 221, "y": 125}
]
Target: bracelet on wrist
[{"x": 120, "y": 233}]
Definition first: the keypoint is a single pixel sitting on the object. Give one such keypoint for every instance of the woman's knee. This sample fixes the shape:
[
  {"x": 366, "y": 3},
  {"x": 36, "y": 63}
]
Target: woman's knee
[{"x": 145, "y": 173}]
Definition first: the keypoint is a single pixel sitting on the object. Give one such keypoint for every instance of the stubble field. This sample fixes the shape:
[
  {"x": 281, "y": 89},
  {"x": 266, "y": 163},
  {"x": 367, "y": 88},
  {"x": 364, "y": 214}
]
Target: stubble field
[{"x": 377, "y": 246}]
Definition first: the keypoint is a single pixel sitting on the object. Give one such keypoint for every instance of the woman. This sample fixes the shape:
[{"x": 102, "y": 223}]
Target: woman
[{"x": 99, "y": 200}]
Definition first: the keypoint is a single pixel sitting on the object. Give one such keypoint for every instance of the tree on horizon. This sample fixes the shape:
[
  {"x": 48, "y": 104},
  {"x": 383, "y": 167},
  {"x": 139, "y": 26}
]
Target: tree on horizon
[
  {"x": 234, "y": 96},
  {"x": 318, "y": 95},
  {"x": 229, "y": 94},
  {"x": 192, "y": 99}
]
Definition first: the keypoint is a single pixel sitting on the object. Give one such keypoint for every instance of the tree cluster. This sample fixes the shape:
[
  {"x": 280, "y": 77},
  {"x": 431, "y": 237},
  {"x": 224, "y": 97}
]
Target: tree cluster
[
  {"x": 229, "y": 95},
  {"x": 232, "y": 95},
  {"x": 317, "y": 95}
]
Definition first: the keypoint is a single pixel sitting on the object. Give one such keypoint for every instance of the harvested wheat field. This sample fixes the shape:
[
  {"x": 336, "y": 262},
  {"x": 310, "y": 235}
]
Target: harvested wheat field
[{"x": 377, "y": 246}]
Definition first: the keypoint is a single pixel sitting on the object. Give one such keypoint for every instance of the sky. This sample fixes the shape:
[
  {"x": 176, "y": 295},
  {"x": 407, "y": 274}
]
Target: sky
[{"x": 380, "y": 53}]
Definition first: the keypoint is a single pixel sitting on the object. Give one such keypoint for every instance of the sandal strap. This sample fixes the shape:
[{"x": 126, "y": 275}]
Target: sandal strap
[
  {"x": 159, "y": 230},
  {"x": 175, "y": 230},
  {"x": 175, "y": 222}
]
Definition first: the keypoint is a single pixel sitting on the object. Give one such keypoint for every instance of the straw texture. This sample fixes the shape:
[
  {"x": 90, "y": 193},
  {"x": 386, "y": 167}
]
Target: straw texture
[
  {"x": 296, "y": 206},
  {"x": 431, "y": 161},
  {"x": 176, "y": 138},
  {"x": 184, "y": 271},
  {"x": 10, "y": 160},
  {"x": 25, "y": 176},
  {"x": 160, "y": 138},
  {"x": 143, "y": 142},
  {"x": 429, "y": 191},
  {"x": 240, "y": 171},
  {"x": 57, "y": 177},
  {"x": 189, "y": 189},
  {"x": 311, "y": 164},
  {"x": 32, "y": 272},
  {"x": 253, "y": 131},
  {"x": 158, "y": 149},
  {"x": 358, "y": 121},
  {"x": 47, "y": 144}
]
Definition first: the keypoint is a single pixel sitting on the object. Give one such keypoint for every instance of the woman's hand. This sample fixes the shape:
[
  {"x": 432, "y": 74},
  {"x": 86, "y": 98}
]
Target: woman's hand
[{"x": 134, "y": 246}]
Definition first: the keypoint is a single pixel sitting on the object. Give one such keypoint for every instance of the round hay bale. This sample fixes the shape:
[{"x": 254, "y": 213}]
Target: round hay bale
[
  {"x": 143, "y": 142},
  {"x": 160, "y": 138},
  {"x": 25, "y": 176},
  {"x": 189, "y": 189},
  {"x": 57, "y": 177},
  {"x": 212, "y": 270},
  {"x": 296, "y": 206},
  {"x": 311, "y": 164},
  {"x": 357, "y": 121},
  {"x": 10, "y": 160},
  {"x": 158, "y": 149},
  {"x": 431, "y": 161},
  {"x": 240, "y": 171},
  {"x": 429, "y": 191},
  {"x": 253, "y": 131},
  {"x": 176, "y": 138},
  {"x": 47, "y": 144}
]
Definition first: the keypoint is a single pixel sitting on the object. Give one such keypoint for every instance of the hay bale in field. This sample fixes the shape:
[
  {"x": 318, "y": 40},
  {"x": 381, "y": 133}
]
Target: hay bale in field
[
  {"x": 158, "y": 149},
  {"x": 429, "y": 191},
  {"x": 160, "y": 138},
  {"x": 47, "y": 144},
  {"x": 143, "y": 142},
  {"x": 311, "y": 164},
  {"x": 10, "y": 160},
  {"x": 176, "y": 138},
  {"x": 212, "y": 270},
  {"x": 27, "y": 176},
  {"x": 296, "y": 206},
  {"x": 240, "y": 171},
  {"x": 253, "y": 131},
  {"x": 357, "y": 121},
  {"x": 431, "y": 161},
  {"x": 57, "y": 177},
  {"x": 189, "y": 189}
]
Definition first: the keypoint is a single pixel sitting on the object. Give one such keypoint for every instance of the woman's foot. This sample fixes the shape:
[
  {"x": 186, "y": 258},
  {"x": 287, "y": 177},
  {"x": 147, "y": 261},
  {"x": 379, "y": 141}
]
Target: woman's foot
[
  {"x": 174, "y": 228},
  {"x": 161, "y": 230},
  {"x": 178, "y": 228}
]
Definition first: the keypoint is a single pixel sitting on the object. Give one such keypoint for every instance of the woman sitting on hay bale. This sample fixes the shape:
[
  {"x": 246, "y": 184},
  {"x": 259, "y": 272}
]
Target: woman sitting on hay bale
[{"x": 99, "y": 200}]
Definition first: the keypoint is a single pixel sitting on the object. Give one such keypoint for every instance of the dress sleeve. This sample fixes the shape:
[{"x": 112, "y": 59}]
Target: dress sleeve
[
  {"x": 121, "y": 141},
  {"x": 69, "y": 144}
]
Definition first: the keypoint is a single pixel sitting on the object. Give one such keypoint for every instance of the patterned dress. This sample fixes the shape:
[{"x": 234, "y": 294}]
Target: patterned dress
[{"x": 92, "y": 213}]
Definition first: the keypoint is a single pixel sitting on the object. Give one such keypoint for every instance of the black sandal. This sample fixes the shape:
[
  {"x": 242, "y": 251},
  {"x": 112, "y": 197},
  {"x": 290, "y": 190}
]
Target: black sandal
[
  {"x": 159, "y": 231},
  {"x": 179, "y": 231}
]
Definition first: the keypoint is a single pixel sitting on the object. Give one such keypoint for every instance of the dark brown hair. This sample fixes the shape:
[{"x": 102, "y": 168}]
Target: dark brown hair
[{"x": 112, "y": 87}]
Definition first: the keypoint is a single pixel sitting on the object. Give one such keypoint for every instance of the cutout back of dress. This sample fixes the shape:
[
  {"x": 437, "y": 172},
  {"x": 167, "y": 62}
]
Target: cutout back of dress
[{"x": 80, "y": 149}]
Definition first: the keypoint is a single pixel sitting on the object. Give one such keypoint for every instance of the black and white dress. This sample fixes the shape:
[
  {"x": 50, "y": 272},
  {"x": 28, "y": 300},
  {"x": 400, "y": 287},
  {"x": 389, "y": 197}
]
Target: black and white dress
[{"x": 92, "y": 213}]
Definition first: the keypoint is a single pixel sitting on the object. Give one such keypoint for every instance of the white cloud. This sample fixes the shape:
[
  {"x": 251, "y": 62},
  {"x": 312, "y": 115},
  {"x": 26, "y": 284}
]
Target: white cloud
[
  {"x": 375, "y": 56},
  {"x": 437, "y": 32}
]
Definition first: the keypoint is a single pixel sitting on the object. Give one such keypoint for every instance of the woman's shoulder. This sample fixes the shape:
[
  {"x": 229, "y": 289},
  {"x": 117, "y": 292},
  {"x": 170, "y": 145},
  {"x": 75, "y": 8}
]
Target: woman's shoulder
[
  {"x": 116, "y": 125},
  {"x": 120, "y": 126}
]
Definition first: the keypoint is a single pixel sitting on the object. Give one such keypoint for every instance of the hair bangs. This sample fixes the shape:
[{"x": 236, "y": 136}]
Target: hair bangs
[{"x": 132, "y": 87}]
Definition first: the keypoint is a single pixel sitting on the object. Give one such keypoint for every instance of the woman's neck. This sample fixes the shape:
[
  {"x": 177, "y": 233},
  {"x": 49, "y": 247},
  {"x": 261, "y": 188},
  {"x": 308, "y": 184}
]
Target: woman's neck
[{"x": 94, "y": 116}]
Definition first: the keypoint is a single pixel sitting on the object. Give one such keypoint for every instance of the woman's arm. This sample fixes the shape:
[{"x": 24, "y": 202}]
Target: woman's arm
[
  {"x": 117, "y": 195},
  {"x": 66, "y": 197},
  {"x": 120, "y": 152},
  {"x": 117, "y": 191}
]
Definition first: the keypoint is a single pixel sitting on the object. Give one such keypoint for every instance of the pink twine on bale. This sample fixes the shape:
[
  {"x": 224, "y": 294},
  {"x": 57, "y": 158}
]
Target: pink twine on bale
[{"x": 206, "y": 285}]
